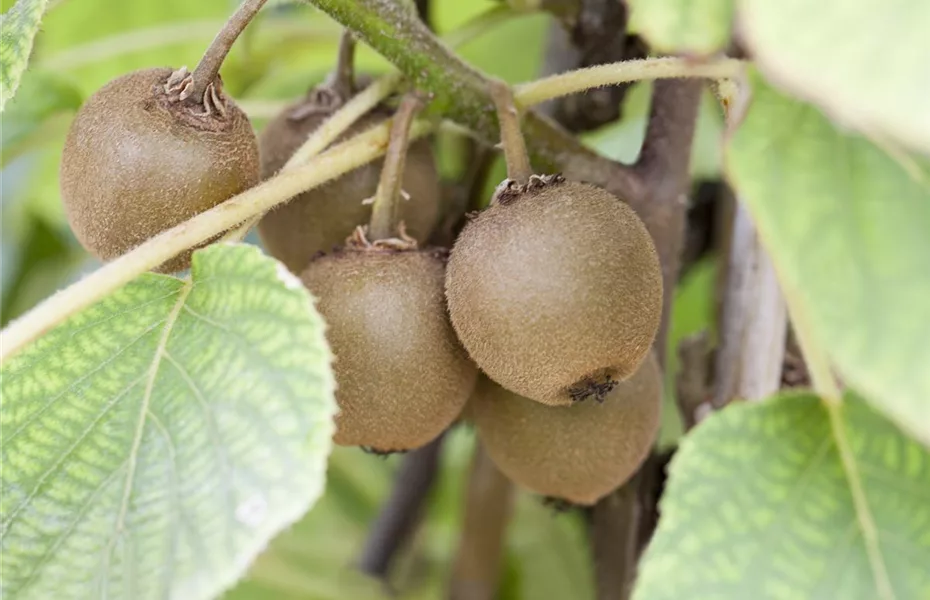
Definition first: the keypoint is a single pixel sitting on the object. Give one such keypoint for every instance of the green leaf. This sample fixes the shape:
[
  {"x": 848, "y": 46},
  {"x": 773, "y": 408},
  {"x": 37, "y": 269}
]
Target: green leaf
[
  {"x": 864, "y": 61},
  {"x": 685, "y": 26},
  {"x": 155, "y": 443},
  {"x": 847, "y": 227},
  {"x": 18, "y": 28},
  {"x": 759, "y": 504}
]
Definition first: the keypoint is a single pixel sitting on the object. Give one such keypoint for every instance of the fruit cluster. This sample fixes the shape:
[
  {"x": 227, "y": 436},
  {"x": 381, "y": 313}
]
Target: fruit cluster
[{"x": 553, "y": 292}]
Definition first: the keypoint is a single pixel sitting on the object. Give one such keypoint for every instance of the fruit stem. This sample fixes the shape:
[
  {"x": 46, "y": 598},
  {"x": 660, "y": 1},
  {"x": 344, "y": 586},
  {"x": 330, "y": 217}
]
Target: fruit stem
[
  {"x": 388, "y": 197},
  {"x": 342, "y": 79},
  {"x": 209, "y": 66},
  {"x": 508, "y": 117}
]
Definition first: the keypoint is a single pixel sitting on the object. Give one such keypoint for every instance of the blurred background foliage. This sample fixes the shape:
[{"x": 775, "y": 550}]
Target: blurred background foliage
[{"x": 85, "y": 43}]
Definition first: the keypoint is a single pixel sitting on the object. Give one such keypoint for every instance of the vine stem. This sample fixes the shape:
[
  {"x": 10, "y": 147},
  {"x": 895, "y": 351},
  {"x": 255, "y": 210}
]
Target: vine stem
[
  {"x": 388, "y": 196},
  {"x": 626, "y": 71},
  {"x": 518, "y": 162},
  {"x": 209, "y": 66},
  {"x": 335, "y": 162}
]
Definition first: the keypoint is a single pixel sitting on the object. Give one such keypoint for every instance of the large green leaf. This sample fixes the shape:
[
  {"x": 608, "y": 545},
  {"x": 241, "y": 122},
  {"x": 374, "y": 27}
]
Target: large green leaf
[
  {"x": 154, "y": 443},
  {"x": 863, "y": 60},
  {"x": 687, "y": 26},
  {"x": 759, "y": 504},
  {"x": 848, "y": 228},
  {"x": 18, "y": 28}
]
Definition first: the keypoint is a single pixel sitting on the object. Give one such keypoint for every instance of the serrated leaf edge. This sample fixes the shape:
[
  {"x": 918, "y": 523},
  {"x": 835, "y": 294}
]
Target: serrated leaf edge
[{"x": 30, "y": 13}]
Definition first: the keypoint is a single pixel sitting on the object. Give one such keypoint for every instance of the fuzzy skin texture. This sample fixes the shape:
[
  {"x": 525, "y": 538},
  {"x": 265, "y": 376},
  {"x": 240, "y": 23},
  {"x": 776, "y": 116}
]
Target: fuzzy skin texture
[
  {"x": 554, "y": 290},
  {"x": 577, "y": 453},
  {"x": 402, "y": 376},
  {"x": 322, "y": 218},
  {"x": 131, "y": 168}
]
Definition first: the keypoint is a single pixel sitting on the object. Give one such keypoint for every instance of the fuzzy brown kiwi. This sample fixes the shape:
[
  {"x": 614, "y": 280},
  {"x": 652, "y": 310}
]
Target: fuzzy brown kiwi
[
  {"x": 555, "y": 290},
  {"x": 576, "y": 453},
  {"x": 402, "y": 376},
  {"x": 321, "y": 218},
  {"x": 155, "y": 147}
]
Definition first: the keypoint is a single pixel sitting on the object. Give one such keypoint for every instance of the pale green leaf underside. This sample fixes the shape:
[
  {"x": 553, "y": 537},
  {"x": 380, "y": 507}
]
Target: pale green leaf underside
[
  {"x": 863, "y": 60},
  {"x": 849, "y": 230},
  {"x": 137, "y": 471},
  {"x": 758, "y": 505},
  {"x": 687, "y": 26},
  {"x": 18, "y": 28}
]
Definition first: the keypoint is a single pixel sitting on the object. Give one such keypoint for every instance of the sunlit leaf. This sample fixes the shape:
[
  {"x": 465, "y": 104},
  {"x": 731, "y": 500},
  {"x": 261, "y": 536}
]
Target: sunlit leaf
[{"x": 155, "y": 442}]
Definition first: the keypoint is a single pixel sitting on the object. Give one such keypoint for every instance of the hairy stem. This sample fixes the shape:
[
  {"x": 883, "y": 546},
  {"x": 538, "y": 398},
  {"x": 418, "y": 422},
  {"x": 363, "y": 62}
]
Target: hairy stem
[
  {"x": 401, "y": 511},
  {"x": 580, "y": 80},
  {"x": 388, "y": 196},
  {"x": 508, "y": 117},
  {"x": 341, "y": 159},
  {"x": 209, "y": 66},
  {"x": 488, "y": 504}
]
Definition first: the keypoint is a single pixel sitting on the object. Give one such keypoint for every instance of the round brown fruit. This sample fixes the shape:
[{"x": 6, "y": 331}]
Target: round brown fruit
[
  {"x": 555, "y": 290},
  {"x": 322, "y": 218},
  {"x": 577, "y": 453},
  {"x": 402, "y": 376},
  {"x": 136, "y": 163}
]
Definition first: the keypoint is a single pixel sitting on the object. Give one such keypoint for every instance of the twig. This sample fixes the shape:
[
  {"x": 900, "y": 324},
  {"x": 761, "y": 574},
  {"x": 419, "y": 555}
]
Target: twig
[
  {"x": 488, "y": 504},
  {"x": 402, "y": 510},
  {"x": 754, "y": 320}
]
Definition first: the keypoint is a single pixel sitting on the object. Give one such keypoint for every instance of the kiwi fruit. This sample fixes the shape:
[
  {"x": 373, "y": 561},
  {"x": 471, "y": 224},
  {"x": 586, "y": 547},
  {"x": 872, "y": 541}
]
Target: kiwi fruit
[
  {"x": 555, "y": 289},
  {"x": 402, "y": 376},
  {"x": 322, "y": 218},
  {"x": 577, "y": 453},
  {"x": 137, "y": 162},
  {"x": 556, "y": 292}
]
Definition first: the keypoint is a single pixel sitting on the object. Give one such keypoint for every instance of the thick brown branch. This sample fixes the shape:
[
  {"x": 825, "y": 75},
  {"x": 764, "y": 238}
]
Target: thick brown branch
[{"x": 663, "y": 170}]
